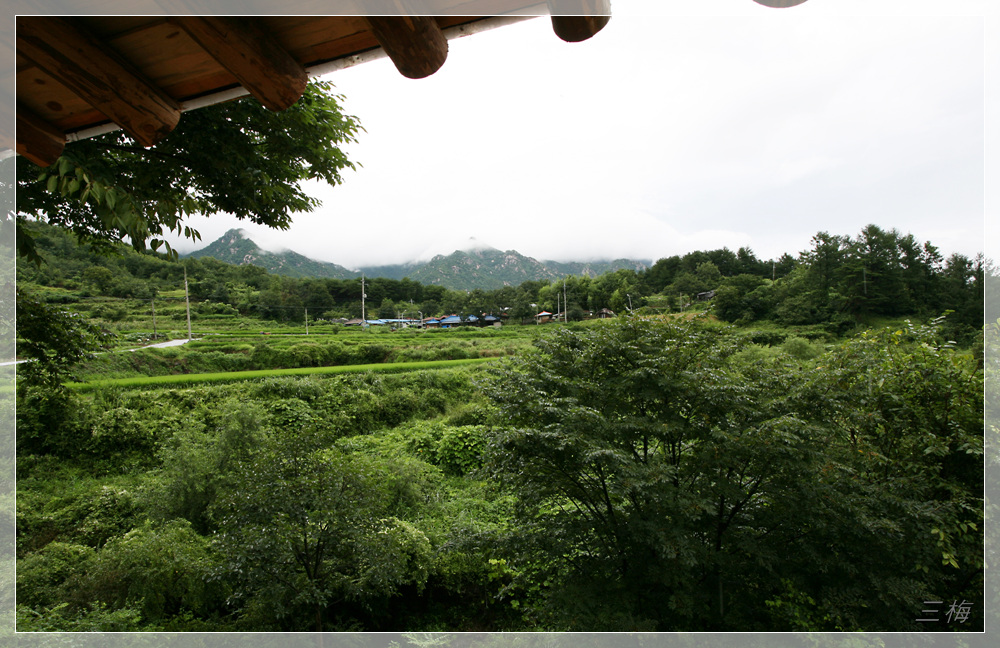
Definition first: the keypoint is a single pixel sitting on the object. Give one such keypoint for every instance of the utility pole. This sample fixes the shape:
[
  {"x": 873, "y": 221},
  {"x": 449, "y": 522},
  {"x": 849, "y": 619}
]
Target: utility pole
[
  {"x": 187, "y": 302},
  {"x": 363, "y": 295},
  {"x": 152, "y": 306},
  {"x": 565, "y": 303},
  {"x": 307, "y": 321}
]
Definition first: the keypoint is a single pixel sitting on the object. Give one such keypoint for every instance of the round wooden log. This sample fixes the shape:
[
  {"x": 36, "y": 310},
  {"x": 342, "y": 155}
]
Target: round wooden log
[
  {"x": 415, "y": 44},
  {"x": 577, "y": 20}
]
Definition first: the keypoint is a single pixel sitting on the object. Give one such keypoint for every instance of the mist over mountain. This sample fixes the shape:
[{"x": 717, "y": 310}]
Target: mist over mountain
[
  {"x": 234, "y": 247},
  {"x": 476, "y": 266}
]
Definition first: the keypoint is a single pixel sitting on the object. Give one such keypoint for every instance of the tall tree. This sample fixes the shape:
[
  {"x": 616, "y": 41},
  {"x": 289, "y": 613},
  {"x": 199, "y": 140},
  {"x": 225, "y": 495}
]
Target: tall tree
[
  {"x": 871, "y": 276},
  {"x": 652, "y": 470}
]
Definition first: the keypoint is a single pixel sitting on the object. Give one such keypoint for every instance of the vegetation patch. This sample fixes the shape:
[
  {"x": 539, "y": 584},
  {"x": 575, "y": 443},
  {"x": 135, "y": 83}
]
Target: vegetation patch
[{"x": 235, "y": 376}]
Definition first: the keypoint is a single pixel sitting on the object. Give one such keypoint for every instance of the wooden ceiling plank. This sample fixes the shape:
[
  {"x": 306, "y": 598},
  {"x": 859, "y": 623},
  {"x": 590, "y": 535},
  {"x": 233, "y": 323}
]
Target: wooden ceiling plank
[
  {"x": 256, "y": 59},
  {"x": 97, "y": 75},
  {"x": 37, "y": 139},
  {"x": 415, "y": 44}
]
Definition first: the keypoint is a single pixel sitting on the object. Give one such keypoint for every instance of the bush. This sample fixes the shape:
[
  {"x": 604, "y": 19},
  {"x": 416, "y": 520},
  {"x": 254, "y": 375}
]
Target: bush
[
  {"x": 214, "y": 308},
  {"x": 118, "y": 432},
  {"x": 51, "y": 421},
  {"x": 111, "y": 313},
  {"x": 40, "y": 575},
  {"x": 460, "y": 449},
  {"x": 800, "y": 348},
  {"x": 161, "y": 570}
]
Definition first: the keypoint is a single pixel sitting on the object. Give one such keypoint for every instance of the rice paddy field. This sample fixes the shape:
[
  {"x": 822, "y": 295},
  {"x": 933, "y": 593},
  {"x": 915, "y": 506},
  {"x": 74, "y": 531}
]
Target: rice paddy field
[{"x": 278, "y": 348}]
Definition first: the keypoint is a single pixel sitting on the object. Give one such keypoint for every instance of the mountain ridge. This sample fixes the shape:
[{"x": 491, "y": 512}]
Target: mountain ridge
[{"x": 481, "y": 267}]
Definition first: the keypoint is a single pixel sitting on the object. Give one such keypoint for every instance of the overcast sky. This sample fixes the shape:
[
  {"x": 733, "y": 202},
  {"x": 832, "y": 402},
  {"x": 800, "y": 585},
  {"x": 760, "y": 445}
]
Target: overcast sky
[{"x": 659, "y": 136}]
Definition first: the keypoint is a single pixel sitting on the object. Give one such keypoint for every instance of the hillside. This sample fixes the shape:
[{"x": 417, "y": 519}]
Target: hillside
[
  {"x": 235, "y": 248},
  {"x": 482, "y": 268},
  {"x": 594, "y": 269}
]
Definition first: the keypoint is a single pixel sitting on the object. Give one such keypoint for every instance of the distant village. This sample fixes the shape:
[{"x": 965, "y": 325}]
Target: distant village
[{"x": 484, "y": 319}]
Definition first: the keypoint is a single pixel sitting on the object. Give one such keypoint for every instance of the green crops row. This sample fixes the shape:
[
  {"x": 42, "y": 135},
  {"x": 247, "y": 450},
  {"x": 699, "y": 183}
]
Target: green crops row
[{"x": 233, "y": 376}]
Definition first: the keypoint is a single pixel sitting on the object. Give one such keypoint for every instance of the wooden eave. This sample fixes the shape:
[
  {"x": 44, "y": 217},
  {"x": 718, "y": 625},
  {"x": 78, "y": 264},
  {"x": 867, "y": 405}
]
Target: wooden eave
[{"x": 78, "y": 75}]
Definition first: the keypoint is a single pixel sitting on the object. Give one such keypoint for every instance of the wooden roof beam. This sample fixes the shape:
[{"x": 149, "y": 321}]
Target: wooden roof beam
[
  {"x": 577, "y": 20},
  {"x": 37, "y": 139},
  {"x": 779, "y": 4},
  {"x": 253, "y": 56},
  {"x": 98, "y": 75},
  {"x": 415, "y": 44}
]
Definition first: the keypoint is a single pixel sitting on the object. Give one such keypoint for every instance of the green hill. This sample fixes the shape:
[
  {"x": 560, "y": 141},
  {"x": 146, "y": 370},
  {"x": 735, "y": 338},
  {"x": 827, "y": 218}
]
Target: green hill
[{"x": 235, "y": 248}]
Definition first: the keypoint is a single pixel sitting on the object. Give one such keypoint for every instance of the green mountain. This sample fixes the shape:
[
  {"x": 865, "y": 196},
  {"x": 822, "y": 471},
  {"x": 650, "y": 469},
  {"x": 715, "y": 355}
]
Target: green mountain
[
  {"x": 397, "y": 271},
  {"x": 483, "y": 267},
  {"x": 596, "y": 268},
  {"x": 234, "y": 247}
]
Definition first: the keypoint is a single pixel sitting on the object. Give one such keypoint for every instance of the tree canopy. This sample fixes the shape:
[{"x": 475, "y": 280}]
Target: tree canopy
[
  {"x": 668, "y": 482},
  {"x": 238, "y": 157}
]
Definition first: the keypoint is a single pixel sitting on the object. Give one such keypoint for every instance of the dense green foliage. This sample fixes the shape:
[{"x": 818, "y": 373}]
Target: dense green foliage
[
  {"x": 840, "y": 285},
  {"x": 664, "y": 471},
  {"x": 625, "y": 475},
  {"x": 665, "y": 483},
  {"x": 189, "y": 508}
]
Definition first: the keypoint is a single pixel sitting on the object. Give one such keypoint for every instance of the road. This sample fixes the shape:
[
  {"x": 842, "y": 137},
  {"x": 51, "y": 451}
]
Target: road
[{"x": 169, "y": 343}]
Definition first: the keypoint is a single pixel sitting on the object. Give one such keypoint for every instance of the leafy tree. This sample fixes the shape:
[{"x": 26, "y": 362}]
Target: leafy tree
[
  {"x": 733, "y": 299},
  {"x": 906, "y": 410},
  {"x": 661, "y": 274},
  {"x": 52, "y": 340},
  {"x": 693, "y": 490},
  {"x": 237, "y": 157},
  {"x": 709, "y": 275},
  {"x": 99, "y": 276},
  {"x": 748, "y": 263},
  {"x": 657, "y": 476},
  {"x": 823, "y": 260},
  {"x": 387, "y": 310},
  {"x": 305, "y": 531},
  {"x": 871, "y": 276}
]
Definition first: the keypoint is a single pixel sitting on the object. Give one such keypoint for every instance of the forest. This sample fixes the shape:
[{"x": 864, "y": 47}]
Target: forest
[
  {"x": 839, "y": 284},
  {"x": 803, "y": 451}
]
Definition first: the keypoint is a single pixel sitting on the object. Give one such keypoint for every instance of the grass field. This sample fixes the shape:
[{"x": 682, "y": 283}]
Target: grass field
[{"x": 235, "y": 376}]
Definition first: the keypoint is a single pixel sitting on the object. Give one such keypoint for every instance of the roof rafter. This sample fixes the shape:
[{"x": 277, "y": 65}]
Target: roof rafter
[
  {"x": 96, "y": 74},
  {"x": 256, "y": 59},
  {"x": 37, "y": 139}
]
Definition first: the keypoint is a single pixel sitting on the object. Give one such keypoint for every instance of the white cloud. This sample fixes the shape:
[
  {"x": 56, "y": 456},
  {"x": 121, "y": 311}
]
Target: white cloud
[{"x": 661, "y": 136}]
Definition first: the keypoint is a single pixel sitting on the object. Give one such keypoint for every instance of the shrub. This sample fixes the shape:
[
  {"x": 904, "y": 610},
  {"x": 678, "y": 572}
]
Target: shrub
[
  {"x": 460, "y": 449},
  {"x": 800, "y": 348},
  {"x": 51, "y": 421},
  {"x": 118, "y": 432},
  {"x": 40, "y": 575}
]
